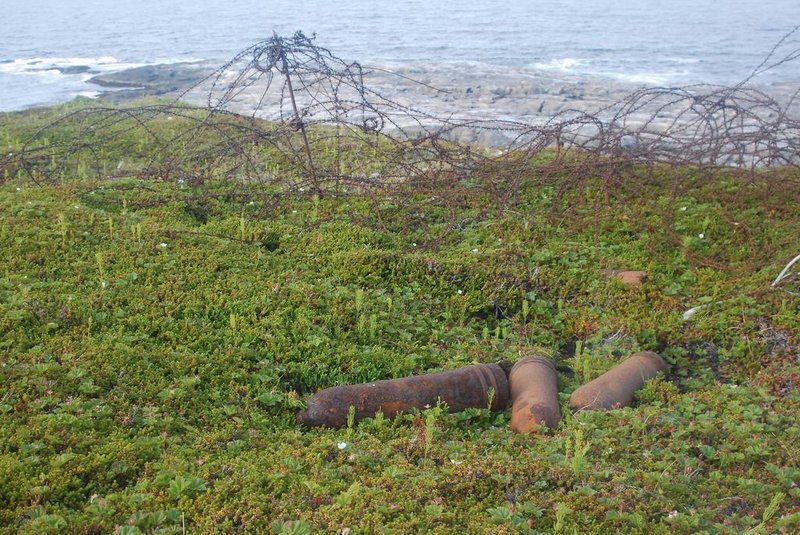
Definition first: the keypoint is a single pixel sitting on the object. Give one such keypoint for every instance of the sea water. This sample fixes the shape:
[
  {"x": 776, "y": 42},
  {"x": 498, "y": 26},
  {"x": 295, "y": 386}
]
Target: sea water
[{"x": 49, "y": 50}]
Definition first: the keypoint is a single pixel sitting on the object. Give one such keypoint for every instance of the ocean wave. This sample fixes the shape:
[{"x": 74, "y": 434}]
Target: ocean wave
[
  {"x": 560, "y": 64},
  {"x": 78, "y": 66}
]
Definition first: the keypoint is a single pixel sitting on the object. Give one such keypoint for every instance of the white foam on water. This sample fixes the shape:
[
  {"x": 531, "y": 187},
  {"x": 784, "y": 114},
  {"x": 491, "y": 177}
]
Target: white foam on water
[
  {"x": 648, "y": 78},
  {"x": 560, "y": 64},
  {"x": 97, "y": 64},
  {"x": 41, "y": 64}
]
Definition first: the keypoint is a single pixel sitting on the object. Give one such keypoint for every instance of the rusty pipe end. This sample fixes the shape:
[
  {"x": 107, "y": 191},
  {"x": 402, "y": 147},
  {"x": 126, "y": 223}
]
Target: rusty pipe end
[
  {"x": 303, "y": 418},
  {"x": 533, "y": 359},
  {"x": 653, "y": 359}
]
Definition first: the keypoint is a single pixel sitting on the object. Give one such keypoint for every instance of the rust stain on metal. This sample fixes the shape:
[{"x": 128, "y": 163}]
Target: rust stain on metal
[
  {"x": 533, "y": 386},
  {"x": 459, "y": 389},
  {"x": 616, "y": 387}
]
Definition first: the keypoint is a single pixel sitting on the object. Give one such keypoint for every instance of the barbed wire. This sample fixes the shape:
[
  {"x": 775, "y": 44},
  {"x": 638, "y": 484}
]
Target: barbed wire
[{"x": 286, "y": 117}]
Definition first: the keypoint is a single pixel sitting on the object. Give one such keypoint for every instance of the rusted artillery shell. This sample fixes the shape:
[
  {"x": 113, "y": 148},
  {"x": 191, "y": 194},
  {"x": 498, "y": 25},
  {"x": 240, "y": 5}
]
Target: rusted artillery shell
[
  {"x": 459, "y": 389},
  {"x": 533, "y": 384},
  {"x": 615, "y": 388}
]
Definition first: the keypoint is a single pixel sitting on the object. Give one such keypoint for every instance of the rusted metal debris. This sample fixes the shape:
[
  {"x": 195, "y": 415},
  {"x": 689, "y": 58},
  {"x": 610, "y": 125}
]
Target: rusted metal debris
[
  {"x": 479, "y": 386},
  {"x": 534, "y": 394},
  {"x": 616, "y": 387},
  {"x": 630, "y": 278},
  {"x": 531, "y": 385}
]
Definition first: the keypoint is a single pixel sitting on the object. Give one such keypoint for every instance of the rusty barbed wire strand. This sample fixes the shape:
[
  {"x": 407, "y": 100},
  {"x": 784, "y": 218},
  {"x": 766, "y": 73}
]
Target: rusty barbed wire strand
[{"x": 286, "y": 117}]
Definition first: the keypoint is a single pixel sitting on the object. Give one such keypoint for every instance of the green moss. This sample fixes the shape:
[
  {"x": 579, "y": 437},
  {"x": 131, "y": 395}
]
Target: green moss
[{"x": 156, "y": 342}]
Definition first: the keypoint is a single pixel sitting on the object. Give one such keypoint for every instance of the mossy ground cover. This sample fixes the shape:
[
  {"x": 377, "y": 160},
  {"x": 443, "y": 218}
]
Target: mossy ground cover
[{"x": 153, "y": 363}]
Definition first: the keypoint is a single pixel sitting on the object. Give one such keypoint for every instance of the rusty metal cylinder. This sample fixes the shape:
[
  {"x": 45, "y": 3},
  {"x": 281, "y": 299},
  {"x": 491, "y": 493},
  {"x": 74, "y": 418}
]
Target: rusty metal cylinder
[
  {"x": 471, "y": 386},
  {"x": 616, "y": 387},
  {"x": 533, "y": 385}
]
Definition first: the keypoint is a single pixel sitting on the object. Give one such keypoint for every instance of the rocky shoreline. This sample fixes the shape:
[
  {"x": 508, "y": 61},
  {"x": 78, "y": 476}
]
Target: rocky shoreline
[
  {"x": 455, "y": 92},
  {"x": 150, "y": 80}
]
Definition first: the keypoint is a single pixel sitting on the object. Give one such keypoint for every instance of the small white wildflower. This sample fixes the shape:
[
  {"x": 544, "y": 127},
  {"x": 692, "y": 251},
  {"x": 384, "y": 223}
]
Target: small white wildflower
[
  {"x": 341, "y": 445},
  {"x": 77, "y": 207},
  {"x": 701, "y": 235},
  {"x": 294, "y": 211},
  {"x": 733, "y": 386},
  {"x": 11, "y": 154},
  {"x": 455, "y": 462},
  {"x": 461, "y": 292},
  {"x": 19, "y": 189},
  {"x": 92, "y": 498},
  {"x": 252, "y": 203},
  {"x": 181, "y": 181},
  {"x": 413, "y": 244},
  {"x": 673, "y": 514},
  {"x": 103, "y": 284},
  {"x": 29, "y": 202},
  {"x": 683, "y": 208},
  {"x": 162, "y": 244},
  {"x": 474, "y": 250},
  {"x": 499, "y": 240}
]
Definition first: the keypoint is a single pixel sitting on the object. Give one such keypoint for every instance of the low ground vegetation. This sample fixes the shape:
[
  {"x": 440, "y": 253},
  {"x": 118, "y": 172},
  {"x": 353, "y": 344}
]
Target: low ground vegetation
[{"x": 158, "y": 337}]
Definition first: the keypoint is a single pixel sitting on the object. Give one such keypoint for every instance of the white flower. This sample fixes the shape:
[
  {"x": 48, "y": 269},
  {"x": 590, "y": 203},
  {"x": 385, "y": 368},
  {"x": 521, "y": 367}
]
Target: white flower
[
  {"x": 673, "y": 514},
  {"x": 294, "y": 211},
  {"x": 341, "y": 445},
  {"x": 414, "y": 244},
  {"x": 162, "y": 244},
  {"x": 455, "y": 462},
  {"x": 252, "y": 203},
  {"x": 701, "y": 235},
  {"x": 475, "y": 250},
  {"x": 19, "y": 189},
  {"x": 461, "y": 292},
  {"x": 103, "y": 284},
  {"x": 683, "y": 208},
  {"x": 77, "y": 207}
]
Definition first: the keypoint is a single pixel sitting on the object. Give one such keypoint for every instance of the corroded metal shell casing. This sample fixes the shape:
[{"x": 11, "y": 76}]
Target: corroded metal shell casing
[
  {"x": 616, "y": 387},
  {"x": 533, "y": 386},
  {"x": 459, "y": 389}
]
